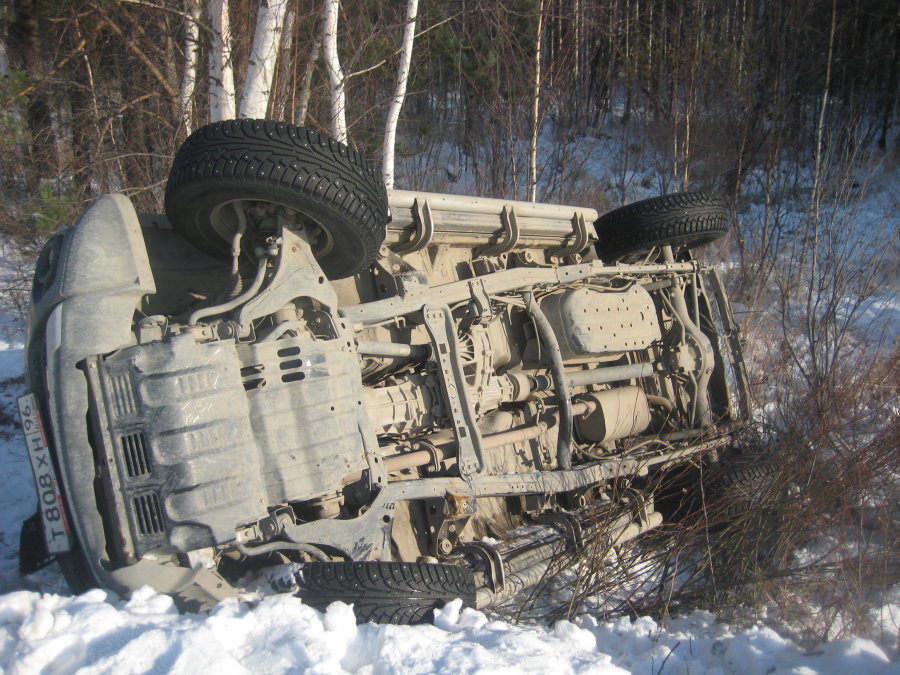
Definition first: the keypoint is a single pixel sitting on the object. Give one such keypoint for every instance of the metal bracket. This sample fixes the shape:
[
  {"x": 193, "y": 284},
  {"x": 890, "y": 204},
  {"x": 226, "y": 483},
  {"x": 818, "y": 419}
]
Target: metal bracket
[
  {"x": 447, "y": 520},
  {"x": 152, "y": 328},
  {"x": 492, "y": 560},
  {"x": 579, "y": 227},
  {"x": 481, "y": 300},
  {"x": 509, "y": 236},
  {"x": 441, "y": 328},
  {"x": 424, "y": 229},
  {"x": 367, "y": 537},
  {"x": 566, "y": 521},
  {"x": 298, "y": 275},
  {"x": 448, "y": 533}
]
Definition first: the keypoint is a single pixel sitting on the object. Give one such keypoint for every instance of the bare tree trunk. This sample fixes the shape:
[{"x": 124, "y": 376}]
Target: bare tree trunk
[
  {"x": 286, "y": 73},
  {"x": 13, "y": 109},
  {"x": 336, "y": 78},
  {"x": 61, "y": 124},
  {"x": 107, "y": 179},
  {"x": 535, "y": 108},
  {"x": 306, "y": 82},
  {"x": 191, "y": 55},
  {"x": 820, "y": 124},
  {"x": 390, "y": 131},
  {"x": 263, "y": 54},
  {"x": 221, "y": 73},
  {"x": 36, "y": 109},
  {"x": 4, "y": 59},
  {"x": 576, "y": 70}
]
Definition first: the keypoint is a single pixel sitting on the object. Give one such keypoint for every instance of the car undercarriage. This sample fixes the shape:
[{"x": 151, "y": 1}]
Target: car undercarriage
[{"x": 400, "y": 397}]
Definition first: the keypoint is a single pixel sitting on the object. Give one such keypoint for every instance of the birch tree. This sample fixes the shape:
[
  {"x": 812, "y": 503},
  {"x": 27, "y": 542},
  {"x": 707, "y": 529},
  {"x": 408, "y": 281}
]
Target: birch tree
[
  {"x": 535, "y": 107},
  {"x": 263, "y": 55},
  {"x": 283, "y": 76},
  {"x": 306, "y": 81},
  {"x": 221, "y": 73},
  {"x": 336, "y": 79},
  {"x": 393, "y": 116},
  {"x": 191, "y": 55}
]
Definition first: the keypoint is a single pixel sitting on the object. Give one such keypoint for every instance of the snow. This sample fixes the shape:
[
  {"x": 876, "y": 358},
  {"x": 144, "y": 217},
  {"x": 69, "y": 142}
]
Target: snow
[{"x": 94, "y": 633}]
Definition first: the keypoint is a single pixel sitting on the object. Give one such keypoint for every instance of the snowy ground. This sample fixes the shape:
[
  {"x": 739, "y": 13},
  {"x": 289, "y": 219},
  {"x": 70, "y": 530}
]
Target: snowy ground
[
  {"x": 61, "y": 634},
  {"x": 44, "y": 629}
]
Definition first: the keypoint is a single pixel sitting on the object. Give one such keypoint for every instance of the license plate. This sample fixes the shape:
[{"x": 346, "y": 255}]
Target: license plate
[{"x": 53, "y": 516}]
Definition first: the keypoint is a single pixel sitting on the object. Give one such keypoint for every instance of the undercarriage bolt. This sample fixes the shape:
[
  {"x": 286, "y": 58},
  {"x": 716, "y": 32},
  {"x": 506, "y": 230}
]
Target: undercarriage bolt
[{"x": 445, "y": 546}]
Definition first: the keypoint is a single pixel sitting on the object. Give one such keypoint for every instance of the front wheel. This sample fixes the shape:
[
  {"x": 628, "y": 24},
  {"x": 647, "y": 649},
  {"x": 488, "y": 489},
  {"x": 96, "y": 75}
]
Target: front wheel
[
  {"x": 386, "y": 592},
  {"x": 252, "y": 174}
]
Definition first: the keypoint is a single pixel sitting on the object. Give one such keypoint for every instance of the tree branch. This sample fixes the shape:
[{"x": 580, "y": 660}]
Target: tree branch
[
  {"x": 397, "y": 51},
  {"x": 184, "y": 15},
  {"x": 134, "y": 49},
  {"x": 79, "y": 49}
]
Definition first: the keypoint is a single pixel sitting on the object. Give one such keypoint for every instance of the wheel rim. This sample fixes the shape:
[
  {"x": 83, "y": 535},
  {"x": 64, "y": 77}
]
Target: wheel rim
[{"x": 261, "y": 218}]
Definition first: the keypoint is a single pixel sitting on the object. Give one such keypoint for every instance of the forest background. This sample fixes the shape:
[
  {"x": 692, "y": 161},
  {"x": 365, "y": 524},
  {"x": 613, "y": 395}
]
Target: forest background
[{"x": 790, "y": 109}]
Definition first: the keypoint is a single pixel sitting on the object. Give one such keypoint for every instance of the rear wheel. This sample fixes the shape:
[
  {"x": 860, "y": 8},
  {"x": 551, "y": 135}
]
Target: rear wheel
[
  {"x": 386, "y": 592},
  {"x": 749, "y": 484},
  {"x": 683, "y": 219},
  {"x": 255, "y": 174}
]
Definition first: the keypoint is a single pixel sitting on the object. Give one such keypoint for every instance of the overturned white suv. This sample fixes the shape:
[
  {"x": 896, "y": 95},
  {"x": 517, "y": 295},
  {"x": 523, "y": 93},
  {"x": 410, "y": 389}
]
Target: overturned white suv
[{"x": 388, "y": 398}]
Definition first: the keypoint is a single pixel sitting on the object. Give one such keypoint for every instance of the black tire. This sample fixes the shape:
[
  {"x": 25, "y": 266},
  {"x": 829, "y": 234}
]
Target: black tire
[
  {"x": 683, "y": 219},
  {"x": 386, "y": 592},
  {"x": 264, "y": 166},
  {"x": 742, "y": 487},
  {"x": 76, "y": 572}
]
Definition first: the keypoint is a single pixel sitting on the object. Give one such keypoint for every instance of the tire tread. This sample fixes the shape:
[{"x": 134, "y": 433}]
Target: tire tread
[
  {"x": 385, "y": 592},
  {"x": 685, "y": 218}
]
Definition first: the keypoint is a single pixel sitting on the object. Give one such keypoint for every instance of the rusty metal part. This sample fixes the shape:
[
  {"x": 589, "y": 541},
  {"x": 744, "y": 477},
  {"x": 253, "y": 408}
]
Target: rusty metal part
[
  {"x": 589, "y": 321},
  {"x": 581, "y": 240},
  {"x": 424, "y": 226},
  {"x": 509, "y": 238},
  {"x": 504, "y": 281}
]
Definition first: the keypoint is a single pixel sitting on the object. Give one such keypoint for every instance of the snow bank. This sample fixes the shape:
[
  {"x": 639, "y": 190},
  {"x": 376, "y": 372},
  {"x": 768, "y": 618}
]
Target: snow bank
[{"x": 94, "y": 633}]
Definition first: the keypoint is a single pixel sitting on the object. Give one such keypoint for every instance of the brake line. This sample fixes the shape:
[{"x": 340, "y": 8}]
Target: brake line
[{"x": 236, "y": 302}]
